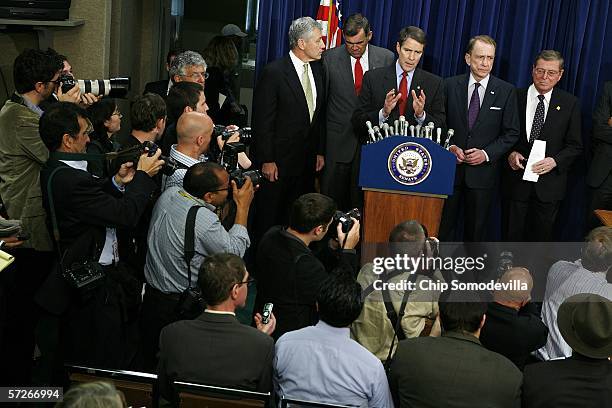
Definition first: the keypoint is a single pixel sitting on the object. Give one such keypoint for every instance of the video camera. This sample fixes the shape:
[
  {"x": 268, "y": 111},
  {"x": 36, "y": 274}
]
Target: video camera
[
  {"x": 133, "y": 154},
  {"x": 113, "y": 87}
]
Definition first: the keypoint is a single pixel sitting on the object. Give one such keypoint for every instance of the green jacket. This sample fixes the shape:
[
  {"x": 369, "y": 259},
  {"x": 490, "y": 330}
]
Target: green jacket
[{"x": 22, "y": 154}]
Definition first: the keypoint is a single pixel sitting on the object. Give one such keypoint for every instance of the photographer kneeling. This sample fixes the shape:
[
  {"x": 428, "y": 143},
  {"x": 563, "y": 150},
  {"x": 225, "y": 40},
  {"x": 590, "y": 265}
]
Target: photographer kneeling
[
  {"x": 207, "y": 186},
  {"x": 91, "y": 299}
]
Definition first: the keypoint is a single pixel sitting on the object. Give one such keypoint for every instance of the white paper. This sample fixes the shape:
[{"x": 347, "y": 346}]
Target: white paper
[
  {"x": 221, "y": 99},
  {"x": 538, "y": 152}
]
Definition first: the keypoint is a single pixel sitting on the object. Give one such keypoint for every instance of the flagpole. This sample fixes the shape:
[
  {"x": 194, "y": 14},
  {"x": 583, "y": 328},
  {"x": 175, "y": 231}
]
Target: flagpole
[{"x": 329, "y": 16}]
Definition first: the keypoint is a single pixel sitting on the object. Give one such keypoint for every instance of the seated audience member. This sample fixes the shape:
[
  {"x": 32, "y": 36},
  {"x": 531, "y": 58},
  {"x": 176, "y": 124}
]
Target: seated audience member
[
  {"x": 513, "y": 327},
  {"x": 183, "y": 97},
  {"x": 565, "y": 279},
  {"x": 215, "y": 348},
  {"x": 584, "y": 379},
  {"x": 194, "y": 132},
  {"x": 221, "y": 56},
  {"x": 454, "y": 370},
  {"x": 374, "y": 329},
  {"x": 288, "y": 273},
  {"x": 206, "y": 185},
  {"x": 91, "y": 325},
  {"x": 321, "y": 363},
  {"x": 148, "y": 119},
  {"x": 106, "y": 121},
  {"x": 93, "y": 395},
  {"x": 163, "y": 86}
]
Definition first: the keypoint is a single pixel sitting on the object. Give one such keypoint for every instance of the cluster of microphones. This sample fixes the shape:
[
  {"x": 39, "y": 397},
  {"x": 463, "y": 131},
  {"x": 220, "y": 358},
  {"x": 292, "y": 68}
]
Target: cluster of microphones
[{"x": 400, "y": 127}]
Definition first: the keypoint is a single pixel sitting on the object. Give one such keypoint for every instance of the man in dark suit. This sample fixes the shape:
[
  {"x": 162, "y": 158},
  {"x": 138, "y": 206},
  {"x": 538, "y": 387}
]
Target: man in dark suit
[
  {"x": 163, "y": 86},
  {"x": 344, "y": 69},
  {"x": 513, "y": 327},
  {"x": 585, "y": 378},
  {"x": 454, "y": 370},
  {"x": 599, "y": 178},
  {"x": 93, "y": 326},
  {"x": 482, "y": 110},
  {"x": 288, "y": 131},
  {"x": 216, "y": 349},
  {"x": 401, "y": 89},
  {"x": 552, "y": 115}
]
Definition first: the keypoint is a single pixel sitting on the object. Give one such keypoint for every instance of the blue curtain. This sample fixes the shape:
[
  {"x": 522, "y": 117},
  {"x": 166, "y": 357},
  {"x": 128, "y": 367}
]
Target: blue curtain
[{"x": 580, "y": 29}]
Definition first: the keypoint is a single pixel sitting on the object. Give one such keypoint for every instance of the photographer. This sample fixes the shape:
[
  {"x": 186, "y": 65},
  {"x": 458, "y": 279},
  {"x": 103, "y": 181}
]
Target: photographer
[
  {"x": 206, "y": 185},
  {"x": 288, "y": 273},
  {"x": 148, "y": 118},
  {"x": 89, "y": 323}
]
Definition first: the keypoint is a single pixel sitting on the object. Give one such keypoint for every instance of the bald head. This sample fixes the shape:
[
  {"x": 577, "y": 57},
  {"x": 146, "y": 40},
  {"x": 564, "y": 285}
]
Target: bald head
[
  {"x": 194, "y": 128},
  {"x": 515, "y": 278}
]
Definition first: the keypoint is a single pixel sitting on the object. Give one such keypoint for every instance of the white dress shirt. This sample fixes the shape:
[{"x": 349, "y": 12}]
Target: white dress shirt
[
  {"x": 365, "y": 65},
  {"x": 481, "y": 91},
  {"x": 532, "y": 104}
]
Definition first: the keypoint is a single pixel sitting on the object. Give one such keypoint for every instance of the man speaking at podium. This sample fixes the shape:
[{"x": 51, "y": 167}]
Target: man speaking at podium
[{"x": 401, "y": 89}]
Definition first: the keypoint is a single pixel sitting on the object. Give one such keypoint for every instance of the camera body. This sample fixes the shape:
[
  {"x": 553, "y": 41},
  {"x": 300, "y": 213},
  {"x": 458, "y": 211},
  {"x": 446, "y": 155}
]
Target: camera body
[
  {"x": 229, "y": 160},
  {"x": 244, "y": 133},
  {"x": 133, "y": 154},
  {"x": 113, "y": 87},
  {"x": 345, "y": 219}
]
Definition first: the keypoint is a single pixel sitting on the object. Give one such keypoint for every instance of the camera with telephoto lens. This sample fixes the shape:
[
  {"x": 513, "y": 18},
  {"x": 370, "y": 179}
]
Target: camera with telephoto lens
[
  {"x": 133, "y": 154},
  {"x": 229, "y": 160},
  {"x": 244, "y": 133},
  {"x": 113, "y": 87},
  {"x": 345, "y": 219}
]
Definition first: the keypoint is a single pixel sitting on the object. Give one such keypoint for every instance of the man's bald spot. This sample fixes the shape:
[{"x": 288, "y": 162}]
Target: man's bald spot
[
  {"x": 520, "y": 276},
  {"x": 193, "y": 124}
]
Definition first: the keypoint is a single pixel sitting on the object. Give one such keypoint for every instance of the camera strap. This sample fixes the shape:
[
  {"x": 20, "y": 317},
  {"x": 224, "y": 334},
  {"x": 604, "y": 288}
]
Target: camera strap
[
  {"x": 397, "y": 326},
  {"x": 77, "y": 156},
  {"x": 54, "y": 224},
  {"x": 190, "y": 239}
]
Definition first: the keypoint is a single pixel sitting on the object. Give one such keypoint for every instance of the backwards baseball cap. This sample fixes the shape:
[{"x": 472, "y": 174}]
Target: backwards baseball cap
[
  {"x": 232, "y": 29},
  {"x": 585, "y": 322}
]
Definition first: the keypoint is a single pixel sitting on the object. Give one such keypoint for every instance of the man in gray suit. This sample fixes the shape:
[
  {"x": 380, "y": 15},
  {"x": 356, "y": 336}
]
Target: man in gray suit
[{"x": 344, "y": 69}]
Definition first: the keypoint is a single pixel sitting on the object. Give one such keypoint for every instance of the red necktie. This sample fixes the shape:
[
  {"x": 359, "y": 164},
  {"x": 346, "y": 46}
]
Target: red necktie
[
  {"x": 403, "y": 88},
  {"x": 358, "y": 76}
]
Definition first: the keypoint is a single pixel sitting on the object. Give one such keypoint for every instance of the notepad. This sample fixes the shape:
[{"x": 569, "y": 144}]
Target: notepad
[{"x": 5, "y": 260}]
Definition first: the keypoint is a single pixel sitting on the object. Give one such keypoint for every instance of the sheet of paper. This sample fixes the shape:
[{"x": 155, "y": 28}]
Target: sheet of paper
[
  {"x": 5, "y": 260},
  {"x": 222, "y": 99},
  {"x": 538, "y": 152}
]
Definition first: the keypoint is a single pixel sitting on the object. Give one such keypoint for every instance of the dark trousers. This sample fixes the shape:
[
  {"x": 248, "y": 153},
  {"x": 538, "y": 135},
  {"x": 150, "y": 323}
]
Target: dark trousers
[
  {"x": 601, "y": 199},
  {"x": 158, "y": 311},
  {"x": 19, "y": 283},
  {"x": 530, "y": 220},
  {"x": 273, "y": 201},
  {"x": 336, "y": 183},
  {"x": 476, "y": 205}
]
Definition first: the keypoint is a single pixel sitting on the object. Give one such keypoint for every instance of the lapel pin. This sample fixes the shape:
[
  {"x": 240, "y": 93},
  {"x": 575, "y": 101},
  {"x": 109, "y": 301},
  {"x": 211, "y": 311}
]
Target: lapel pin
[{"x": 558, "y": 108}]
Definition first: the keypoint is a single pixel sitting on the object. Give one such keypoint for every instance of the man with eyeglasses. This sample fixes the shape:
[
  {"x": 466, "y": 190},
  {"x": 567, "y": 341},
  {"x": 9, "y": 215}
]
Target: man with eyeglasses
[
  {"x": 188, "y": 66},
  {"x": 547, "y": 114},
  {"x": 206, "y": 185},
  {"x": 215, "y": 348},
  {"x": 339, "y": 179},
  {"x": 22, "y": 154}
]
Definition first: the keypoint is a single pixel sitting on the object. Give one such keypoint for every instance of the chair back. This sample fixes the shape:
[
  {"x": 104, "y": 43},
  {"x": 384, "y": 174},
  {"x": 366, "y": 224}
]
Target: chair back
[
  {"x": 296, "y": 403},
  {"x": 209, "y": 396}
]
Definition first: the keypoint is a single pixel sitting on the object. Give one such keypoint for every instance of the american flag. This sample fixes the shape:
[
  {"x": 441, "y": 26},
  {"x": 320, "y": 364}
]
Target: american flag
[{"x": 329, "y": 17}]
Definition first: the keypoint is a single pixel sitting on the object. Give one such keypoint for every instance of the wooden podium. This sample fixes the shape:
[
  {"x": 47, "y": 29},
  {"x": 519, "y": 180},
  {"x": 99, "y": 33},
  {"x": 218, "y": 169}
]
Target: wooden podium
[{"x": 403, "y": 178}]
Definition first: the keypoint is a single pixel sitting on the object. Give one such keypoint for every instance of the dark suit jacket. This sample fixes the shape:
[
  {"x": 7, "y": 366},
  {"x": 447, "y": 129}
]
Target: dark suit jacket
[
  {"x": 576, "y": 381},
  {"x": 289, "y": 276},
  {"x": 342, "y": 99},
  {"x": 215, "y": 349},
  {"x": 157, "y": 87},
  {"x": 376, "y": 84},
  {"x": 282, "y": 130},
  {"x": 495, "y": 130},
  {"x": 84, "y": 207},
  {"x": 450, "y": 371},
  {"x": 513, "y": 333},
  {"x": 601, "y": 164},
  {"x": 562, "y": 133}
]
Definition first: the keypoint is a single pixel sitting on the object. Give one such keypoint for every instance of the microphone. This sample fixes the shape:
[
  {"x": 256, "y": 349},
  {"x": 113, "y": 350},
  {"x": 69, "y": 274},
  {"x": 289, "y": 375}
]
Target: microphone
[
  {"x": 377, "y": 132},
  {"x": 418, "y": 130},
  {"x": 431, "y": 127},
  {"x": 438, "y": 135},
  {"x": 397, "y": 127},
  {"x": 369, "y": 125},
  {"x": 372, "y": 136},
  {"x": 385, "y": 127},
  {"x": 402, "y": 123},
  {"x": 449, "y": 136},
  {"x": 412, "y": 130}
]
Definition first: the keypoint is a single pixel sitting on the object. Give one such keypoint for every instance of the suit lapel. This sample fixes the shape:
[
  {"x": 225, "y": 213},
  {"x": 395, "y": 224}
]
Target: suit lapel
[
  {"x": 461, "y": 95},
  {"x": 489, "y": 97},
  {"x": 346, "y": 69},
  {"x": 318, "y": 79},
  {"x": 553, "y": 115},
  {"x": 521, "y": 96},
  {"x": 295, "y": 85}
]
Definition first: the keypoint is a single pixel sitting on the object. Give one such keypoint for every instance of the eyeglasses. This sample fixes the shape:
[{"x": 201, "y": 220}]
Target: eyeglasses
[
  {"x": 197, "y": 75},
  {"x": 221, "y": 189},
  {"x": 56, "y": 82},
  {"x": 248, "y": 282},
  {"x": 550, "y": 72}
]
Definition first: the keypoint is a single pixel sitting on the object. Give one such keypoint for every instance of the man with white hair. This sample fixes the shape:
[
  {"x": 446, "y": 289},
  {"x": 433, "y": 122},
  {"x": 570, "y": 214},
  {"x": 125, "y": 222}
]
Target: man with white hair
[
  {"x": 287, "y": 124},
  {"x": 188, "y": 66}
]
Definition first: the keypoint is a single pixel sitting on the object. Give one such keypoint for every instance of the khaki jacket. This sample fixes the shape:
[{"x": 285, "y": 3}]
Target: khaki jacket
[{"x": 22, "y": 154}]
